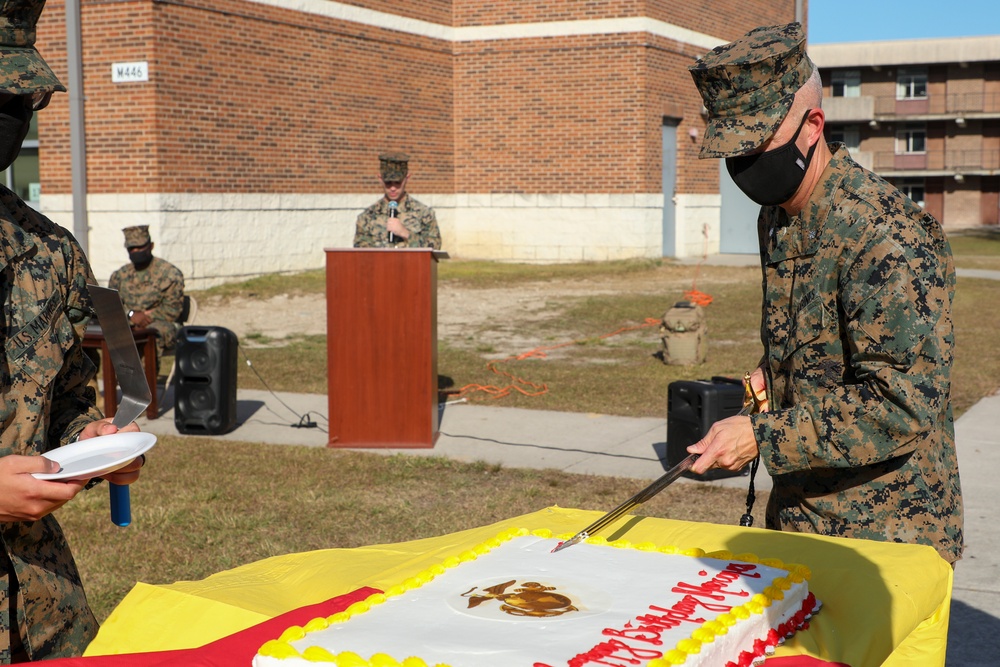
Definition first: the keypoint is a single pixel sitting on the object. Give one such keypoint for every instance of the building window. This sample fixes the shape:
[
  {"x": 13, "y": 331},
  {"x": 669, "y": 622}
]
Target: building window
[
  {"x": 22, "y": 175},
  {"x": 914, "y": 189},
  {"x": 911, "y": 84},
  {"x": 846, "y": 83},
  {"x": 911, "y": 139},
  {"x": 850, "y": 135}
]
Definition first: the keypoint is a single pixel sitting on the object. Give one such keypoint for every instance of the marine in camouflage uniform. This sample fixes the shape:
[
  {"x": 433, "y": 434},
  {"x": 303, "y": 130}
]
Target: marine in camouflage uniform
[
  {"x": 156, "y": 287},
  {"x": 856, "y": 323},
  {"x": 45, "y": 399},
  {"x": 419, "y": 220}
]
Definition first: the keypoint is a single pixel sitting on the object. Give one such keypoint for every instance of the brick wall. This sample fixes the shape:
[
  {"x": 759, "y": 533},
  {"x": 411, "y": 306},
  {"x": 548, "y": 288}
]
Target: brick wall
[
  {"x": 244, "y": 97},
  {"x": 265, "y": 114}
]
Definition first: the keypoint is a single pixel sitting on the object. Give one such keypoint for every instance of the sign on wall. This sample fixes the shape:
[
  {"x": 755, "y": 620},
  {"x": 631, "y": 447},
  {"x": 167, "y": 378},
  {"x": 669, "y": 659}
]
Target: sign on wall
[{"x": 130, "y": 72}]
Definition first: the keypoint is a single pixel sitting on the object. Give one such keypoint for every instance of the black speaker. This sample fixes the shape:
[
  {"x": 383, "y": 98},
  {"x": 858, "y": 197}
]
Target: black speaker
[
  {"x": 692, "y": 407},
  {"x": 206, "y": 389}
]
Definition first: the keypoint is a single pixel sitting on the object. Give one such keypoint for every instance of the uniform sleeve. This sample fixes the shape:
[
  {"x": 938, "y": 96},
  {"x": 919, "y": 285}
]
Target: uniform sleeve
[
  {"x": 171, "y": 286},
  {"x": 427, "y": 235},
  {"x": 422, "y": 225},
  {"x": 364, "y": 233},
  {"x": 74, "y": 403},
  {"x": 896, "y": 305}
]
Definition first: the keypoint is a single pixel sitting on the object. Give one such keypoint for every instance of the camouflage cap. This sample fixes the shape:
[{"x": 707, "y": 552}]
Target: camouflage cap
[
  {"x": 137, "y": 236},
  {"x": 748, "y": 87},
  {"x": 393, "y": 166},
  {"x": 22, "y": 69}
]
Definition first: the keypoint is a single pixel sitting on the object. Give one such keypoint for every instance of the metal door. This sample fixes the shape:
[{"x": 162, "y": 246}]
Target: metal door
[
  {"x": 738, "y": 217},
  {"x": 669, "y": 182}
]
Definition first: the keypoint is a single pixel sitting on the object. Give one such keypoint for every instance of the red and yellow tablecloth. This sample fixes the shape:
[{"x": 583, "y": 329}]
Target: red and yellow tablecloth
[{"x": 883, "y": 604}]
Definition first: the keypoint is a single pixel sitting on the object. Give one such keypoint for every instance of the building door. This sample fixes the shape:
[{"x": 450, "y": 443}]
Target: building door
[
  {"x": 669, "y": 178},
  {"x": 738, "y": 217}
]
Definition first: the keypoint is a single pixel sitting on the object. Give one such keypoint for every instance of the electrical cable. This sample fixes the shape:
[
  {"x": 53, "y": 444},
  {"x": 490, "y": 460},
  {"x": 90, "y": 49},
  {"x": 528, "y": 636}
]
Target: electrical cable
[{"x": 304, "y": 419}]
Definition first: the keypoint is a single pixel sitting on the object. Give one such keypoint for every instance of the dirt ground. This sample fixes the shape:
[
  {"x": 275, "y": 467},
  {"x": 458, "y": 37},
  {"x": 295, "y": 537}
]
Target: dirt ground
[{"x": 472, "y": 318}]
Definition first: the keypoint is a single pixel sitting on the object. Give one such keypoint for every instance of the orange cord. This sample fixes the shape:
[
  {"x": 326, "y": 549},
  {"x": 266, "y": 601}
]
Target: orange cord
[
  {"x": 693, "y": 295},
  {"x": 534, "y": 389}
]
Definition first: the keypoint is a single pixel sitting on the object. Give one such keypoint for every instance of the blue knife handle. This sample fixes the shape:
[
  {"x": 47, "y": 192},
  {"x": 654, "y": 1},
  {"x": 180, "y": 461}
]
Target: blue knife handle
[{"x": 121, "y": 506}]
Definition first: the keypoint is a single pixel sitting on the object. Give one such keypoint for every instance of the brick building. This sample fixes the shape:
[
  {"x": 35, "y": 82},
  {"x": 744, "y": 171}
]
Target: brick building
[
  {"x": 562, "y": 130},
  {"x": 924, "y": 114}
]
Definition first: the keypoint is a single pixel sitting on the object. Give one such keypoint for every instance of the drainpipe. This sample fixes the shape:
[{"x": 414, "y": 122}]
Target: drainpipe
[
  {"x": 77, "y": 132},
  {"x": 798, "y": 11}
]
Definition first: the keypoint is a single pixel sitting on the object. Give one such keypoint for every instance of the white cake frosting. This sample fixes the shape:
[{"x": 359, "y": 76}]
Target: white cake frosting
[{"x": 511, "y": 602}]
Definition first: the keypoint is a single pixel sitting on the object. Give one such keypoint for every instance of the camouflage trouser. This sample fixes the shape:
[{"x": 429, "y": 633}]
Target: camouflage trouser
[{"x": 166, "y": 337}]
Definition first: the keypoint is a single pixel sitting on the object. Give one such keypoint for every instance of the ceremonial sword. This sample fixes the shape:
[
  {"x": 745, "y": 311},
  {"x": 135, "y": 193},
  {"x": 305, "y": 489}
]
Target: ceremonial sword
[{"x": 750, "y": 404}]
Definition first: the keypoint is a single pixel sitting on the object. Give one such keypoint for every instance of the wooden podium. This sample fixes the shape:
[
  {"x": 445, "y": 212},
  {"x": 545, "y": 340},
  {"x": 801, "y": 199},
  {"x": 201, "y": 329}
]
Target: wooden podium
[{"x": 381, "y": 325}]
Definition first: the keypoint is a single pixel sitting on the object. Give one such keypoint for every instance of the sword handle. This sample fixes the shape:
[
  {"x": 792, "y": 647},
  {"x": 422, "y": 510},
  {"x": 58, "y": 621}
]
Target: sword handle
[{"x": 121, "y": 506}]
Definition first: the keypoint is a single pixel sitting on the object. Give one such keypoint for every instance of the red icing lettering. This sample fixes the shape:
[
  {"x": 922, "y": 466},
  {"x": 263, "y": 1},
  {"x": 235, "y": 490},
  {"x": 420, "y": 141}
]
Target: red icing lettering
[
  {"x": 715, "y": 588},
  {"x": 643, "y": 633},
  {"x": 606, "y": 651},
  {"x": 649, "y": 627}
]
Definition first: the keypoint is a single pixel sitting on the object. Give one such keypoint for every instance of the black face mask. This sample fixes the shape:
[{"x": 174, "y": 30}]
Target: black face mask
[
  {"x": 141, "y": 258},
  {"x": 15, "y": 118},
  {"x": 772, "y": 178}
]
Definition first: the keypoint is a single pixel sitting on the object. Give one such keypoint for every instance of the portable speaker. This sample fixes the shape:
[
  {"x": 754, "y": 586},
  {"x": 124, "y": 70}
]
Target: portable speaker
[
  {"x": 206, "y": 389},
  {"x": 692, "y": 407}
]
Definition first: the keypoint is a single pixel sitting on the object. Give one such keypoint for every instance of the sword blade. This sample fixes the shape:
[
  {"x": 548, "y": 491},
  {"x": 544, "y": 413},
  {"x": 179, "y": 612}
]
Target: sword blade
[{"x": 661, "y": 483}]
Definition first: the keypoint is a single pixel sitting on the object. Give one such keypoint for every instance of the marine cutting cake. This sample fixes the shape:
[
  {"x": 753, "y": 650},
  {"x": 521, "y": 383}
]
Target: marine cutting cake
[{"x": 511, "y": 602}]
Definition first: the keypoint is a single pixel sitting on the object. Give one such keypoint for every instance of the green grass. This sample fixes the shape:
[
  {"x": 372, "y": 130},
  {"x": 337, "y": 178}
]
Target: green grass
[{"x": 976, "y": 249}]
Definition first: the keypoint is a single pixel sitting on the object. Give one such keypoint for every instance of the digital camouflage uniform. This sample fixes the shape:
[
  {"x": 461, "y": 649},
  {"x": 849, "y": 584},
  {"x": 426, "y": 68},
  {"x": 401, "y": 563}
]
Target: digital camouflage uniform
[
  {"x": 159, "y": 289},
  {"x": 419, "y": 219},
  {"x": 856, "y": 325},
  {"x": 859, "y": 342},
  {"x": 46, "y": 403}
]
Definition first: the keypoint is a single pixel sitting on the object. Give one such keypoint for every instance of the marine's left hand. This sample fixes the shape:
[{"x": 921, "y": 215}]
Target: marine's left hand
[
  {"x": 141, "y": 319},
  {"x": 127, "y": 474},
  {"x": 729, "y": 444}
]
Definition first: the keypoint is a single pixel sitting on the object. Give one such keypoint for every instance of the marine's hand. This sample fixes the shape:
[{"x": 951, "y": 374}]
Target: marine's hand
[
  {"x": 759, "y": 387},
  {"x": 104, "y": 427},
  {"x": 395, "y": 225},
  {"x": 24, "y": 498},
  {"x": 141, "y": 319},
  {"x": 729, "y": 444},
  {"x": 129, "y": 473}
]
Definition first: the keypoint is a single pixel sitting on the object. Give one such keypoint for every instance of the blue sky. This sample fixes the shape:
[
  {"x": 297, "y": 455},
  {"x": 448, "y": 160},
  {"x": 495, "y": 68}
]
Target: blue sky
[{"x": 868, "y": 20}]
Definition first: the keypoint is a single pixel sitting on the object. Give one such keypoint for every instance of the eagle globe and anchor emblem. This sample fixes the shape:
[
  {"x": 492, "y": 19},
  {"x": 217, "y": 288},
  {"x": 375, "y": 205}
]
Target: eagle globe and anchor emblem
[{"x": 528, "y": 599}]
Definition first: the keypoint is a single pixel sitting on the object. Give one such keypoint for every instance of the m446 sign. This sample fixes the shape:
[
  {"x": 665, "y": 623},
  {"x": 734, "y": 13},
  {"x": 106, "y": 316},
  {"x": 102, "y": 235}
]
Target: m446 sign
[{"x": 129, "y": 72}]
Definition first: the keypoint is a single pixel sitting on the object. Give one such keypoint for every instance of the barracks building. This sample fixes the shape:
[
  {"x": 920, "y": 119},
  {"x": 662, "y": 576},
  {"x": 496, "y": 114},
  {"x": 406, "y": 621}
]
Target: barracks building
[{"x": 245, "y": 133}]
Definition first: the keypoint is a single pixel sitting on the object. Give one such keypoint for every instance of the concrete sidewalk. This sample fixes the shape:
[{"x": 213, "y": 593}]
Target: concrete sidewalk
[{"x": 636, "y": 447}]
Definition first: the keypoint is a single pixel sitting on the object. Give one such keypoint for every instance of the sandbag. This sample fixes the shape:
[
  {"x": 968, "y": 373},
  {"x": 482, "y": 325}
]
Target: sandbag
[{"x": 684, "y": 333}]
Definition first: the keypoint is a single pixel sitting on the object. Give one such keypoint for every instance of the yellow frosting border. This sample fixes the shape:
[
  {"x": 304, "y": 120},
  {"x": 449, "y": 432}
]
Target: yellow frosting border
[{"x": 281, "y": 647}]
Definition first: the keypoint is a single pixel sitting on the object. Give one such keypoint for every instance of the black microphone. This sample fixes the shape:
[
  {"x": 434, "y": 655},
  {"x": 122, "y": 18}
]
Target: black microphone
[{"x": 393, "y": 213}]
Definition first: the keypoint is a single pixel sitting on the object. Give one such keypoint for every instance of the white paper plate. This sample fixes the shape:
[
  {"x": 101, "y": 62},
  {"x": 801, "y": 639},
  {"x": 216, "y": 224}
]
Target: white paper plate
[{"x": 98, "y": 456}]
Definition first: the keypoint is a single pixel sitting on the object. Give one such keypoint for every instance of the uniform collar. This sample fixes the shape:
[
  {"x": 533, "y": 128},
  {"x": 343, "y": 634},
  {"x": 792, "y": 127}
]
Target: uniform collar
[
  {"x": 799, "y": 235},
  {"x": 14, "y": 241},
  {"x": 402, "y": 200}
]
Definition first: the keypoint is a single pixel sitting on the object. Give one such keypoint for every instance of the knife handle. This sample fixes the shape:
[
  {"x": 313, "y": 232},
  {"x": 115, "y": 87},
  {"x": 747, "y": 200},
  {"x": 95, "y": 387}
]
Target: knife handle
[{"x": 121, "y": 506}]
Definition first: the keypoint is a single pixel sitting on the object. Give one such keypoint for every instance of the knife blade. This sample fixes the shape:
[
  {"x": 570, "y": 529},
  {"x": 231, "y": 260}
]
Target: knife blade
[{"x": 136, "y": 394}]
